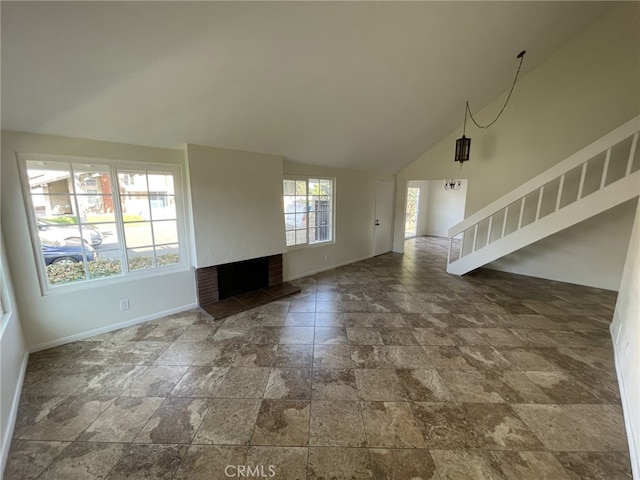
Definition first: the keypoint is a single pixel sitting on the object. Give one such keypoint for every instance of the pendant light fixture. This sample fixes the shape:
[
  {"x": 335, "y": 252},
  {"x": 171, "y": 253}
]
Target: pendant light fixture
[{"x": 463, "y": 144}]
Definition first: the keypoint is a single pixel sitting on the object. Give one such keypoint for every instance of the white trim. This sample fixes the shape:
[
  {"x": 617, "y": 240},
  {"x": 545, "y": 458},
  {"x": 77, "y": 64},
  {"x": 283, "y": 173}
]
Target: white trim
[
  {"x": 109, "y": 328},
  {"x": 326, "y": 267},
  {"x": 333, "y": 196},
  {"x": 607, "y": 141},
  {"x": 13, "y": 414},
  {"x": 633, "y": 452},
  {"x": 113, "y": 166}
]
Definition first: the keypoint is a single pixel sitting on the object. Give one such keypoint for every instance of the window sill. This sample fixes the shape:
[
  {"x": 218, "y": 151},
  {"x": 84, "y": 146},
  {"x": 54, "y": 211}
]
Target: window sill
[
  {"x": 305, "y": 246},
  {"x": 83, "y": 285}
]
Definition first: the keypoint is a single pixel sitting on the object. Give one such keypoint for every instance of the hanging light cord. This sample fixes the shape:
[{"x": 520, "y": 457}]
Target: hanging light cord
[{"x": 468, "y": 109}]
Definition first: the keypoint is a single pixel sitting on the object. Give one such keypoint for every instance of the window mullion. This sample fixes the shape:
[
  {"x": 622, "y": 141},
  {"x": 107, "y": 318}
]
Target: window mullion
[
  {"x": 74, "y": 194},
  {"x": 153, "y": 236},
  {"x": 115, "y": 193},
  {"x": 307, "y": 212}
]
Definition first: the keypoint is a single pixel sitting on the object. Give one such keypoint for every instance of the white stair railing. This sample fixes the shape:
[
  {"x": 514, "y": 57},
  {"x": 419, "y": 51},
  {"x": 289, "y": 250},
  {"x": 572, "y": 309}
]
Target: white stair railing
[{"x": 607, "y": 165}]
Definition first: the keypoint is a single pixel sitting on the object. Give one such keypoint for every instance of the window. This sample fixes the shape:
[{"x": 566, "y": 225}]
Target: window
[
  {"x": 308, "y": 210},
  {"x": 411, "y": 218},
  {"x": 96, "y": 220}
]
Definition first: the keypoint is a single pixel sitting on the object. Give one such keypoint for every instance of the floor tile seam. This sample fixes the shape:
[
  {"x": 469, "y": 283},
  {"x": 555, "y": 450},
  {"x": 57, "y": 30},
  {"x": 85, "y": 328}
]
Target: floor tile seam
[{"x": 53, "y": 460}]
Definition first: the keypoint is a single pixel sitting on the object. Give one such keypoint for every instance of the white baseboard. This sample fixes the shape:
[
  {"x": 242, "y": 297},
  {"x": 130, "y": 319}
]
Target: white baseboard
[
  {"x": 325, "y": 268},
  {"x": 13, "y": 414},
  {"x": 109, "y": 328},
  {"x": 633, "y": 452}
]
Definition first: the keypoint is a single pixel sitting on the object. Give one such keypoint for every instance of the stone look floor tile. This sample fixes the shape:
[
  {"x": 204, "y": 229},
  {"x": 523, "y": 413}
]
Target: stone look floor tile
[
  {"x": 84, "y": 460},
  {"x": 244, "y": 382},
  {"x": 386, "y": 368},
  {"x": 334, "y": 384},
  {"x": 122, "y": 421},
  {"x": 34, "y": 408},
  {"x": 211, "y": 462},
  {"x": 69, "y": 419},
  {"x": 289, "y": 383},
  {"x": 284, "y": 462},
  {"x": 379, "y": 384},
  {"x": 155, "y": 381},
  {"x": 158, "y": 462},
  {"x": 499, "y": 428},
  {"x": 466, "y": 465},
  {"x": 575, "y": 427},
  {"x": 293, "y": 356},
  {"x": 530, "y": 465},
  {"x": 595, "y": 465},
  {"x": 175, "y": 421},
  {"x": 330, "y": 336},
  {"x": 336, "y": 423},
  {"x": 343, "y": 463},
  {"x": 228, "y": 421},
  {"x": 391, "y": 424},
  {"x": 445, "y": 425},
  {"x": 27, "y": 459},
  {"x": 471, "y": 386},
  {"x": 424, "y": 384},
  {"x": 180, "y": 353},
  {"x": 391, "y": 464},
  {"x": 282, "y": 422},
  {"x": 200, "y": 382}
]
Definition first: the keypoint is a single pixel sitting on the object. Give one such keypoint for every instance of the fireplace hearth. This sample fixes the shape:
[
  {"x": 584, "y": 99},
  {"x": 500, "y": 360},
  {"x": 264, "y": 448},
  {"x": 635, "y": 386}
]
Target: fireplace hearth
[{"x": 231, "y": 288}]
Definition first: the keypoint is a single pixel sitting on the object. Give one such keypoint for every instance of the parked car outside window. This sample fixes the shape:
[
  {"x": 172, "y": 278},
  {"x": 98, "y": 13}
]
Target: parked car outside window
[
  {"x": 55, "y": 232},
  {"x": 67, "y": 252}
]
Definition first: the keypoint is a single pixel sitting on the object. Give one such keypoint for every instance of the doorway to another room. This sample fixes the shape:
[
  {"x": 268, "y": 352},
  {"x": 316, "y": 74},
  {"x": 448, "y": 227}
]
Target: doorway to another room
[{"x": 432, "y": 207}]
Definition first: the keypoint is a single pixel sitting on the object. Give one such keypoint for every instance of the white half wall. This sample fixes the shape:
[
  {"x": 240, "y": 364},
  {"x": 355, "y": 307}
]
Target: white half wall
[
  {"x": 236, "y": 199},
  {"x": 50, "y": 319},
  {"x": 625, "y": 330},
  {"x": 568, "y": 256}
]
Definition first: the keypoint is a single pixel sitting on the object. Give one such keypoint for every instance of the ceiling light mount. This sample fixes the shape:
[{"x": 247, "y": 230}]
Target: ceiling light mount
[{"x": 463, "y": 144}]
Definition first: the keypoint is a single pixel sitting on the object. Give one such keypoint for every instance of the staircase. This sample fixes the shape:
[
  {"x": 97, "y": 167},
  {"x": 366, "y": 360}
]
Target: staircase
[{"x": 597, "y": 178}]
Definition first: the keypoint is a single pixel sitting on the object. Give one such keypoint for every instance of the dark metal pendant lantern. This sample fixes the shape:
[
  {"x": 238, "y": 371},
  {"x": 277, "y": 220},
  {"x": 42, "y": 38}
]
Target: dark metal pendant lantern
[{"x": 463, "y": 146}]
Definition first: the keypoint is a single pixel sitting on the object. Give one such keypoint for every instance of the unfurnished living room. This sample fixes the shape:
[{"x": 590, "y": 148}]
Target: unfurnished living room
[{"x": 320, "y": 240}]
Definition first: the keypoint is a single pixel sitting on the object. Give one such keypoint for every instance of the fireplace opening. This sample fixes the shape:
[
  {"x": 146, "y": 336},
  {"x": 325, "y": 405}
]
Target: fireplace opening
[
  {"x": 240, "y": 277},
  {"x": 232, "y": 288}
]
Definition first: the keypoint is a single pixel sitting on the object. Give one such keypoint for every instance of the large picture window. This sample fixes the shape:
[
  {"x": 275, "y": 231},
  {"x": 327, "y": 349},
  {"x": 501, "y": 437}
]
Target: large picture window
[
  {"x": 93, "y": 220},
  {"x": 308, "y": 210}
]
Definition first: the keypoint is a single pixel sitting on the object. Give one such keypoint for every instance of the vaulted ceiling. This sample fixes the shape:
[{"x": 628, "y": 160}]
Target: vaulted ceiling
[{"x": 354, "y": 84}]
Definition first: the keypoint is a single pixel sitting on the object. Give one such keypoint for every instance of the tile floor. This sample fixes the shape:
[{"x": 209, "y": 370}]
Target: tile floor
[{"x": 388, "y": 369}]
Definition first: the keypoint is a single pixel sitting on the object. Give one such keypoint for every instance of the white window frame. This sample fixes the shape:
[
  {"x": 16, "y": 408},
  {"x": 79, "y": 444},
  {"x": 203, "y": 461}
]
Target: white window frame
[
  {"x": 308, "y": 178},
  {"x": 114, "y": 166}
]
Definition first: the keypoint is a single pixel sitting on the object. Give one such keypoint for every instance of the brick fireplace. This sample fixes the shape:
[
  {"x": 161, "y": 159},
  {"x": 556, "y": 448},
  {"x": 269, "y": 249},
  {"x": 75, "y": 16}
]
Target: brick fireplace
[{"x": 234, "y": 287}]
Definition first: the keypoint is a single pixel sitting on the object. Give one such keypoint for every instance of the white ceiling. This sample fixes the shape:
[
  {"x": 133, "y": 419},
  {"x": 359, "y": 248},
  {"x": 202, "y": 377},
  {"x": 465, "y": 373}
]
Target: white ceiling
[{"x": 358, "y": 84}]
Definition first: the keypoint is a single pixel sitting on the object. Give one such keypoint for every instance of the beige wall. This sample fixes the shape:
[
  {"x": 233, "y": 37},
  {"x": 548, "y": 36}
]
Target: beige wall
[
  {"x": 59, "y": 317},
  {"x": 625, "y": 330},
  {"x": 440, "y": 209},
  {"x": 586, "y": 89},
  {"x": 355, "y": 209},
  {"x": 236, "y": 200},
  {"x": 13, "y": 359}
]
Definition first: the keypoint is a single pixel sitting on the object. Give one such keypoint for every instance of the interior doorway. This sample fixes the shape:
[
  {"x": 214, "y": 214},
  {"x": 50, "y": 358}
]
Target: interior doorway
[{"x": 432, "y": 208}]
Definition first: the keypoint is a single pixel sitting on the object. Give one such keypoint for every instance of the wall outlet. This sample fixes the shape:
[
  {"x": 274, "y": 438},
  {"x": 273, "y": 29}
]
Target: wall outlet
[{"x": 124, "y": 304}]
